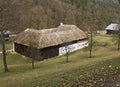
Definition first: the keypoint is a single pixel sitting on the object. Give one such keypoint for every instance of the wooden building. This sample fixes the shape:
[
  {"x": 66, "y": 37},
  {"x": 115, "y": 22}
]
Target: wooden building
[
  {"x": 6, "y": 35},
  {"x": 47, "y": 43},
  {"x": 112, "y": 28}
]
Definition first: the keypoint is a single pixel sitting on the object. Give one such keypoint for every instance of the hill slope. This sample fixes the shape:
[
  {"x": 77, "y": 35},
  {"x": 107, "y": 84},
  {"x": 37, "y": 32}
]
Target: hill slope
[
  {"x": 21, "y": 14},
  {"x": 80, "y": 71}
]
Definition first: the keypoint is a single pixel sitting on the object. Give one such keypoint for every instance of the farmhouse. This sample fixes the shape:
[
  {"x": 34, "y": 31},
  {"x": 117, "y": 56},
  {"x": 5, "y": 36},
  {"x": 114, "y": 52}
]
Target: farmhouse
[
  {"x": 112, "y": 28},
  {"x": 47, "y": 43}
]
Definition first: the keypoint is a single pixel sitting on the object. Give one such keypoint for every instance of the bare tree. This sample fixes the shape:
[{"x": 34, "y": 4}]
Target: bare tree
[
  {"x": 67, "y": 51},
  {"x": 119, "y": 35},
  {"x": 5, "y": 23},
  {"x": 91, "y": 44},
  {"x": 119, "y": 39},
  {"x": 2, "y": 28},
  {"x": 65, "y": 46},
  {"x": 31, "y": 50},
  {"x": 3, "y": 51}
]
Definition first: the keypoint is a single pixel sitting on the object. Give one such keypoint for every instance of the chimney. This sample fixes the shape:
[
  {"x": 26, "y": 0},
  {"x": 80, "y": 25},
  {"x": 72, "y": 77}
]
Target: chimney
[{"x": 61, "y": 24}]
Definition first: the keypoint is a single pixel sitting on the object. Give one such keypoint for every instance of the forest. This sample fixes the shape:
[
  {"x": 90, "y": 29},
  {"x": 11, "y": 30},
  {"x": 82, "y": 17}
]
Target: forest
[{"x": 17, "y": 15}]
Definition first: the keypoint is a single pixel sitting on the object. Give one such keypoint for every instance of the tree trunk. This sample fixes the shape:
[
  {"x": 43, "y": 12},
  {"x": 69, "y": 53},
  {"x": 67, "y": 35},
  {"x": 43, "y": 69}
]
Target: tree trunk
[
  {"x": 32, "y": 51},
  {"x": 33, "y": 67},
  {"x": 4, "y": 52},
  {"x": 119, "y": 33},
  {"x": 90, "y": 55},
  {"x": 119, "y": 39},
  {"x": 66, "y": 54},
  {"x": 67, "y": 57}
]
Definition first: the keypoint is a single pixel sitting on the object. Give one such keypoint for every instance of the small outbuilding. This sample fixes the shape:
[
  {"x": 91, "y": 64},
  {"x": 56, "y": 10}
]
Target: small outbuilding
[
  {"x": 47, "y": 43},
  {"x": 6, "y": 35},
  {"x": 112, "y": 28}
]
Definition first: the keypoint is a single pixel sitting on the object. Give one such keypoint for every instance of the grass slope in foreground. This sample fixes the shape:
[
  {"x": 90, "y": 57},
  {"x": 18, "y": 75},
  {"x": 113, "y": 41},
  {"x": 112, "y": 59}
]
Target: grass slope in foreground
[{"x": 79, "y": 71}]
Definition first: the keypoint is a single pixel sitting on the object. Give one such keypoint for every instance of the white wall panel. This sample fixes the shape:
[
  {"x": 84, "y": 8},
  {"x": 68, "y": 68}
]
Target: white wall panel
[{"x": 73, "y": 47}]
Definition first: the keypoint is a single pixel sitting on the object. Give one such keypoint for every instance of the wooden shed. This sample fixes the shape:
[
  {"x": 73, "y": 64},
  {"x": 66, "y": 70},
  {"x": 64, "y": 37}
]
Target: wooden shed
[
  {"x": 47, "y": 43},
  {"x": 6, "y": 35},
  {"x": 112, "y": 28}
]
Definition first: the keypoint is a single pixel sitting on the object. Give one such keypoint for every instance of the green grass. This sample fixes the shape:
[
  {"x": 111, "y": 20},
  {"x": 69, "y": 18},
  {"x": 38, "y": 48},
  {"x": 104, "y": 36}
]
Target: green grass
[
  {"x": 13, "y": 59},
  {"x": 8, "y": 45},
  {"x": 105, "y": 38},
  {"x": 56, "y": 72}
]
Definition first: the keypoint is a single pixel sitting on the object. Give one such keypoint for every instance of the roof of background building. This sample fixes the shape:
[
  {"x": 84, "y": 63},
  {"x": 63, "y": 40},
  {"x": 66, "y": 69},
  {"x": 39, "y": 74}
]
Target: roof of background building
[
  {"x": 112, "y": 26},
  {"x": 7, "y": 32}
]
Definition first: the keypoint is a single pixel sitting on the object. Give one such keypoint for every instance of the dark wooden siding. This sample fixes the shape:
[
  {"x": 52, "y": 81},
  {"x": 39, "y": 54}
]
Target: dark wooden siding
[
  {"x": 22, "y": 49},
  {"x": 37, "y": 54},
  {"x": 50, "y": 52},
  {"x": 40, "y": 54}
]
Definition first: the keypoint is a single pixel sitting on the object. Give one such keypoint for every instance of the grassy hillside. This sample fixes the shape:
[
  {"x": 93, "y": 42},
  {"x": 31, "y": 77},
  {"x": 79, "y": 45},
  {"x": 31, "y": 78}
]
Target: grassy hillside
[
  {"x": 86, "y": 14},
  {"x": 79, "y": 71}
]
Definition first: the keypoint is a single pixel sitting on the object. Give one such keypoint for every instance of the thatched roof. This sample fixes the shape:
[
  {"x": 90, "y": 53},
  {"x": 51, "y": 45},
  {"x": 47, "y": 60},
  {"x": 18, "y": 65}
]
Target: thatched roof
[{"x": 50, "y": 37}]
